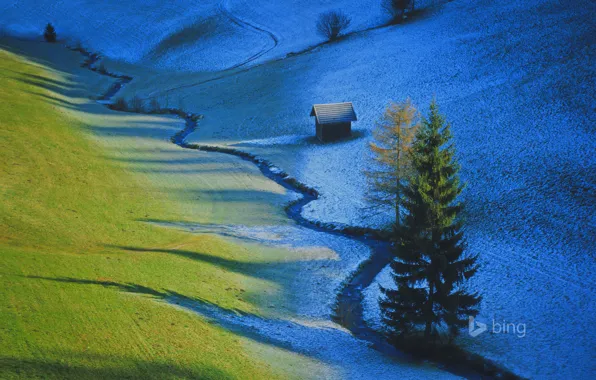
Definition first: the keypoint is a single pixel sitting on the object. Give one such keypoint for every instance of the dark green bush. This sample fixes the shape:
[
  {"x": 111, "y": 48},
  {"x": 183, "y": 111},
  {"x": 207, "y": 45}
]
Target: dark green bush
[
  {"x": 119, "y": 105},
  {"x": 50, "y": 33}
]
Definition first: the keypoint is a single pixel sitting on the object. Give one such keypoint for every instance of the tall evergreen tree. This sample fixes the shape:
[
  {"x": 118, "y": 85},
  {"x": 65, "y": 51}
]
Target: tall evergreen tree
[
  {"x": 50, "y": 33},
  {"x": 430, "y": 267},
  {"x": 391, "y": 148}
]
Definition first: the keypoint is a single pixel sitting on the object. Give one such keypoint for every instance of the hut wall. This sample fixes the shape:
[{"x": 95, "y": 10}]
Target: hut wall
[{"x": 336, "y": 131}]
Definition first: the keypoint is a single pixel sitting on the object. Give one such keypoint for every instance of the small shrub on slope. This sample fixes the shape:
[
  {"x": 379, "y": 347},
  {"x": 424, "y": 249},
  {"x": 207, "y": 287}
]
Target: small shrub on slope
[
  {"x": 119, "y": 105},
  {"x": 50, "y": 33},
  {"x": 331, "y": 24},
  {"x": 102, "y": 69},
  {"x": 154, "y": 106},
  {"x": 136, "y": 104}
]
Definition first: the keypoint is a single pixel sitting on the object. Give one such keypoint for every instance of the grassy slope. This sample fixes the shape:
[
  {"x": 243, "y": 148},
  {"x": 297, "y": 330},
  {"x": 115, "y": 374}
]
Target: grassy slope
[{"x": 76, "y": 305}]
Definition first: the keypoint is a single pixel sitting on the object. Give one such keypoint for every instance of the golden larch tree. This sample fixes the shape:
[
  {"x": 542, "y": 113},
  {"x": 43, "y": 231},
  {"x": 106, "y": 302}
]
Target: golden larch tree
[{"x": 391, "y": 152}]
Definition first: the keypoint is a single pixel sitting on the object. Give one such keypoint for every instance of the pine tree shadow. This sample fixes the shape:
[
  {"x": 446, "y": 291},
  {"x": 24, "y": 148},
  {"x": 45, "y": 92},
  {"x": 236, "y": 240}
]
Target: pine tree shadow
[
  {"x": 267, "y": 270},
  {"x": 104, "y": 367},
  {"x": 125, "y": 287},
  {"x": 237, "y": 321}
]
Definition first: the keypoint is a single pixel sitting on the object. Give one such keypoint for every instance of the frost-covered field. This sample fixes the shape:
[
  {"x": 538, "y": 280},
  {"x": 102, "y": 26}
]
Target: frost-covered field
[
  {"x": 344, "y": 355},
  {"x": 293, "y": 20},
  {"x": 513, "y": 112},
  {"x": 547, "y": 311},
  {"x": 309, "y": 279},
  {"x": 156, "y": 33},
  {"x": 516, "y": 79},
  {"x": 184, "y": 35},
  {"x": 315, "y": 270},
  {"x": 517, "y": 83}
]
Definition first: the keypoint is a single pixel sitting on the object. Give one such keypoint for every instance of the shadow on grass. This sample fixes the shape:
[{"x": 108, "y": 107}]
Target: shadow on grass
[
  {"x": 53, "y": 90},
  {"x": 226, "y": 230},
  {"x": 126, "y": 287},
  {"x": 53, "y": 99},
  {"x": 51, "y": 85},
  {"x": 237, "y": 321},
  {"x": 321, "y": 340},
  {"x": 268, "y": 270},
  {"x": 102, "y": 367}
]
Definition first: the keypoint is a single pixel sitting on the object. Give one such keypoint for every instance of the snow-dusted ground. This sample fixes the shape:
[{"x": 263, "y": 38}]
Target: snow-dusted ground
[
  {"x": 315, "y": 270},
  {"x": 293, "y": 21},
  {"x": 180, "y": 35},
  {"x": 184, "y": 35},
  {"x": 475, "y": 65},
  {"x": 548, "y": 311},
  {"x": 517, "y": 81},
  {"x": 301, "y": 322},
  {"x": 345, "y": 357}
]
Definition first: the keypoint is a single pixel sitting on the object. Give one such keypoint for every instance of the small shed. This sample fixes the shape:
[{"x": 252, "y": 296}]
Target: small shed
[{"x": 334, "y": 120}]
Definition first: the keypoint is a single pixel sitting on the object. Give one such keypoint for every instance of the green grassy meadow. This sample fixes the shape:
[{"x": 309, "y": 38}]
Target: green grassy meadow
[{"x": 83, "y": 273}]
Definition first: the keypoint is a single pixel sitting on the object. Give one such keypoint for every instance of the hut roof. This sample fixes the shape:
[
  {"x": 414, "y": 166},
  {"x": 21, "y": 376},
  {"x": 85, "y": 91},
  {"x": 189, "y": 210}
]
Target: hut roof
[{"x": 334, "y": 113}]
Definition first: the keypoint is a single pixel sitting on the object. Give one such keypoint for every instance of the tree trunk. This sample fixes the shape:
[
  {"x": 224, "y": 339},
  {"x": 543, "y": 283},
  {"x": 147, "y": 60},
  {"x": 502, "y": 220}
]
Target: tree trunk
[
  {"x": 428, "y": 327},
  {"x": 398, "y": 177},
  {"x": 397, "y": 206}
]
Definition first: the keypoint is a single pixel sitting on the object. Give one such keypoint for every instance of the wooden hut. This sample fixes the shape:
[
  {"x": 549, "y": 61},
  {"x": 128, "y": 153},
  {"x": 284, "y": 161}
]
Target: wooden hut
[{"x": 334, "y": 120}]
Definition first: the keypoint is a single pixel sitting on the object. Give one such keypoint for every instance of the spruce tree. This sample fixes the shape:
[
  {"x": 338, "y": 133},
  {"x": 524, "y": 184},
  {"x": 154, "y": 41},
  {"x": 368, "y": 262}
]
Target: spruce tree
[
  {"x": 50, "y": 33},
  {"x": 430, "y": 267}
]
